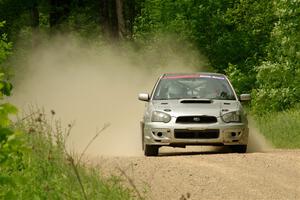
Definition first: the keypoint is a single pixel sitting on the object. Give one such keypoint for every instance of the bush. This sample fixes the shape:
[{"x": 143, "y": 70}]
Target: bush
[
  {"x": 278, "y": 88},
  {"x": 11, "y": 143}
]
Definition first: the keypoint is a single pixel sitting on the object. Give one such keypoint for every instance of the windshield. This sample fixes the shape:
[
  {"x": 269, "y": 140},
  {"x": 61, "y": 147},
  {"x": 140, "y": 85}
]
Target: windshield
[{"x": 193, "y": 86}]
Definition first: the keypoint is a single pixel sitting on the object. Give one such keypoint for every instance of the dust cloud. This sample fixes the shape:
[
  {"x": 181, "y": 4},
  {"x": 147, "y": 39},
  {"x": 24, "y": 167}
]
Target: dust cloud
[
  {"x": 94, "y": 84},
  {"x": 257, "y": 142}
]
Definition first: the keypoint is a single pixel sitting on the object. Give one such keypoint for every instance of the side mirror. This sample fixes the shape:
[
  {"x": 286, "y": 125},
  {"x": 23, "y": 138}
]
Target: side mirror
[
  {"x": 144, "y": 97},
  {"x": 245, "y": 97}
]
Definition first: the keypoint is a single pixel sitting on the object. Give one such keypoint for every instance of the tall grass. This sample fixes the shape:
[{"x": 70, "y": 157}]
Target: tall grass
[
  {"x": 282, "y": 128},
  {"x": 47, "y": 170}
]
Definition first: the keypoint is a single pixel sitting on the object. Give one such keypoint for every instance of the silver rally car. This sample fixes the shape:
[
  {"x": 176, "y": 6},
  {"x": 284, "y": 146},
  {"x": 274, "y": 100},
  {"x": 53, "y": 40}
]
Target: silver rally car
[{"x": 193, "y": 109}]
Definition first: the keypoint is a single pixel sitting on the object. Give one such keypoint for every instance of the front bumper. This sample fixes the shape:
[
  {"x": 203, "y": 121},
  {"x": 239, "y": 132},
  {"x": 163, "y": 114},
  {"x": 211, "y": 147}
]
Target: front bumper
[{"x": 163, "y": 134}]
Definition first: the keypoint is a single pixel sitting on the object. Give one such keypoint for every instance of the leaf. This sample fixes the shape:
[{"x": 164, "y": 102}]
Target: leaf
[
  {"x": 4, "y": 133},
  {"x": 5, "y": 110},
  {"x": 6, "y": 89},
  {"x": 8, "y": 108}
]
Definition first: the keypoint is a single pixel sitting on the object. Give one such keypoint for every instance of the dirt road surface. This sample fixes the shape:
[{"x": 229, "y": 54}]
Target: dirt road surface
[{"x": 210, "y": 174}]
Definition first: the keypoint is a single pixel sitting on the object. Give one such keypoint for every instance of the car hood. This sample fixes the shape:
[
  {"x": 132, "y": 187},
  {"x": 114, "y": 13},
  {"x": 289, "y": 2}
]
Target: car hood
[{"x": 177, "y": 108}]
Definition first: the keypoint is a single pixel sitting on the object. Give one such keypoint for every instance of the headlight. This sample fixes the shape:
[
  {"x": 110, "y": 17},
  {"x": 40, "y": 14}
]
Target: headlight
[
  {"x": 160, "y": 117},
  {"x": 234, "y": 116}
]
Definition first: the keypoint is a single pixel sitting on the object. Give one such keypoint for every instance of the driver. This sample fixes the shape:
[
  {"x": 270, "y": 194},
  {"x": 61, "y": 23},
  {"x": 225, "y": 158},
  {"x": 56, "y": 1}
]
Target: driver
[{"x": 176, "y": 92}]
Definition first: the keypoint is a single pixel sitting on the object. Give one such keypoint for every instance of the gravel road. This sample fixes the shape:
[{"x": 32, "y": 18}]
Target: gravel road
[{"x": 210, "y": 174}]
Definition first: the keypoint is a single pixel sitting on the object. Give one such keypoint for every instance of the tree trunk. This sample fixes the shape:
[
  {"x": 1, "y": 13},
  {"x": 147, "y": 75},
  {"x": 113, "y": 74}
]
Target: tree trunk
[
  {"x": 120, "y": 17},
  {"x": 104, "y": 17},
  {"x": 131, "y": 17},
  {"x": 113, "y": 19},
  {"x": 35, "y": 22},
  {"x": 108, "y": 19},
  {"x": 53, "y": 16},
  {"x": 35, "y": 18}
]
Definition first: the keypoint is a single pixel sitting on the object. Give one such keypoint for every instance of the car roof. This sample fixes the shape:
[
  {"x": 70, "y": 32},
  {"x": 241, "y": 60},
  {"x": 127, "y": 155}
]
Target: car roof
[{"x": 192, "y": 74}]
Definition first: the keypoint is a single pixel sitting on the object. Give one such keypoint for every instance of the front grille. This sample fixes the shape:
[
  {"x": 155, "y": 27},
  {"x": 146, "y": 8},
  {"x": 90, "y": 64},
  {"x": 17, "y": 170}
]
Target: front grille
[
  {"x": 196, "y": 119},
  {"x": 196, "y": 134}
]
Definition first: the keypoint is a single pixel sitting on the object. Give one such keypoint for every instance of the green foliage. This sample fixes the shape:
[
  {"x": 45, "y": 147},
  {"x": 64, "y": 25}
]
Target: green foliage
[
  {"x": 278, "y": 78},
  {"x": 5, "y": 46},
  {"x": 281, "y": 128},
  {"x": 48, "y": 171},
  {"x": 278, "y": 87},
  {"x": 226, "y": 31},
  {"x": 242, "y": 81},
  {"x": 284, "y": 46},
  {"x": 165, "y": 17},
  {"x": 80, "y": 23},
  {"x": 11, "y": 140}
]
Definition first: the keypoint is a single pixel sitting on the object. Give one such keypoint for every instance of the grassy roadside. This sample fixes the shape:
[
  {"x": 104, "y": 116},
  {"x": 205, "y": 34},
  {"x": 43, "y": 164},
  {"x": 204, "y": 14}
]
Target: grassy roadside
[
  {"x": 43, "y": 169},
  {"x": 282, "y": 129}
]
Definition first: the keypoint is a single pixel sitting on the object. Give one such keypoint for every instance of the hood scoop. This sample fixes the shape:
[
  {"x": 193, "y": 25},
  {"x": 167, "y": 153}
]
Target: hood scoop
[{"x": 204, "y": 101}]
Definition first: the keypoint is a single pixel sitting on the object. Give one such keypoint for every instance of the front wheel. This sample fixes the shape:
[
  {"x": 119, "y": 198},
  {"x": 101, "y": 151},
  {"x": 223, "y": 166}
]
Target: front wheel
[
  {"x": 239, "y": 148},
  {"x": 143, "y": 135},
  {"x": 151, "y": 150},
  {"x": 143, "y": 142}
]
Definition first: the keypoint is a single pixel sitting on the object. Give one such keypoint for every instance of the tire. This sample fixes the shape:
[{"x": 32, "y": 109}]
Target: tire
[
  {"x": 143, "y": 142},
  {"x": 151, "y": 150},
  {"x": 239, "y": 148},
  {"x": 143, "y": 135}
]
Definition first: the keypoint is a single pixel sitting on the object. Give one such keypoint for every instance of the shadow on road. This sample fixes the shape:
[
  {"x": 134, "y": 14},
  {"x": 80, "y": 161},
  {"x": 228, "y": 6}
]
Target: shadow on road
[{"x": 191, "y": 151}]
